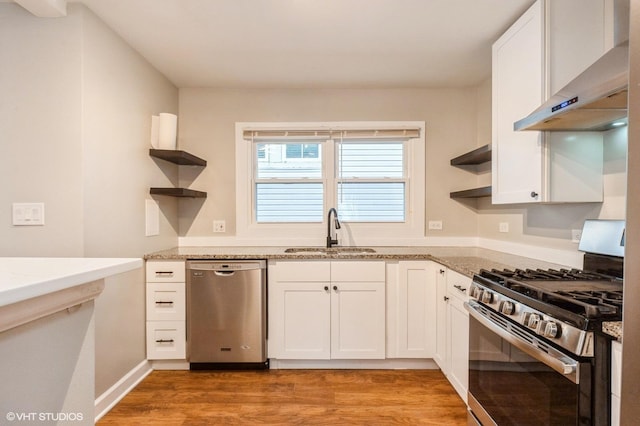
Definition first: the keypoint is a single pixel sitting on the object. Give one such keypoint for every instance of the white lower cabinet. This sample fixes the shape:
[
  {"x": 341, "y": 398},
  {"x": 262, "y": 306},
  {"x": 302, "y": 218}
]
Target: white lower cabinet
[
  {"x": 166, "y": 310},
  {"x": 452, "y": 335},
  {"x": 327, "y": 310},
  {"x": 616, "y": 378},
  {"x": 411, "y": 309}
]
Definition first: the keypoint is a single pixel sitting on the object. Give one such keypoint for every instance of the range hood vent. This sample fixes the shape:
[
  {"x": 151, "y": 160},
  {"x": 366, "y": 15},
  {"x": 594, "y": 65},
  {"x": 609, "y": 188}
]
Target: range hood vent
[{"x": 596, "y": 100}]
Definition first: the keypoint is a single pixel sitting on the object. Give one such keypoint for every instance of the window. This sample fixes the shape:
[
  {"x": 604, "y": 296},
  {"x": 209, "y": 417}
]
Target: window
[
  {"x": 288, "y": 182},
  {"x": 288, "y": 179},
  {"x": 371, "y": 181}
]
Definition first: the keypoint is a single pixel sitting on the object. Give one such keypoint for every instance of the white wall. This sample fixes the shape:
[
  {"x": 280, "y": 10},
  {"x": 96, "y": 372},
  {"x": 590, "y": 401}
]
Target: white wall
[
  {"x": 76, "y": 106},
  {"x": 208, "y": 116}
]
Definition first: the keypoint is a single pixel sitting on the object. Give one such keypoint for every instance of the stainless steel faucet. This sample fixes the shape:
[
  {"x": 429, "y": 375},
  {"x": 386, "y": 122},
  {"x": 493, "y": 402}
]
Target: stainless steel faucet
[{"x": 331, "y": 241}]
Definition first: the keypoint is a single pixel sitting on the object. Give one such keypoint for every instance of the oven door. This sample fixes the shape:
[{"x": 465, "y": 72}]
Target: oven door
[{"x": 517, "y": 379}]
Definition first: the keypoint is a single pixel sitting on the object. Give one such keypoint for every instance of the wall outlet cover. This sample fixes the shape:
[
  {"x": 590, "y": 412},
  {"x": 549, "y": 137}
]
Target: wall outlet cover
[
  {"x": 576, "y": 235},
  {"x": 503, "y": 227},
  {"x": 219, "y": 226},
  {"x": 435, "y": 225}
]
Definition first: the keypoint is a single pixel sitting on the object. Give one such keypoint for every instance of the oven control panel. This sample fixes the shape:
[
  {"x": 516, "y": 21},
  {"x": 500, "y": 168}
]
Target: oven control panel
[{"x": 564, "y": 335}]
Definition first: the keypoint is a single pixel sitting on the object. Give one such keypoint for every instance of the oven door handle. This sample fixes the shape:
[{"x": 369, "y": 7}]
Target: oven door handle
[{"x": 554, "y": 359}]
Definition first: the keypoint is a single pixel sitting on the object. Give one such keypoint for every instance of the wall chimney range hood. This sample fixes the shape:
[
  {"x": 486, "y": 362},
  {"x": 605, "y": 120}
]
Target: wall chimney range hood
[{"x": 596, "y": 100}]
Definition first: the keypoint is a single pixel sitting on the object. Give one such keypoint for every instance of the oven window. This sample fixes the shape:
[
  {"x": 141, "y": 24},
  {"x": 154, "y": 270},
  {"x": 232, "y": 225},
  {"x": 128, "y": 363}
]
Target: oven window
[{"x": 514, "y": 388}]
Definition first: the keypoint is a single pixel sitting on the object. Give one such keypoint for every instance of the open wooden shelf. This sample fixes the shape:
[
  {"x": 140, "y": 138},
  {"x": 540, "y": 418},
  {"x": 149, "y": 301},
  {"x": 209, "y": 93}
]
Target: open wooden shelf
[
  {"x": 178, "y": 192},
  {"x": 484, "y": 191},
  {"x": 182, "y": 158},
  {"x": 475, "y": 157}
]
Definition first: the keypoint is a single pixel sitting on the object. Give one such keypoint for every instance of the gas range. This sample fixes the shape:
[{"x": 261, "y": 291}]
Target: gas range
[
  {"x": 562, "y": 306},
  {"x": 537, "y": 354}
]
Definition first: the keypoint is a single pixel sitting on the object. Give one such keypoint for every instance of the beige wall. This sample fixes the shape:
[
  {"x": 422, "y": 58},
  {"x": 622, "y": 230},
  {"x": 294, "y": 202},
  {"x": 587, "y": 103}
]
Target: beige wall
[
  {"x": 76, "y": 110},
  {"x": 206, "y": 128},
  {"x": 40, "y": 125},
  {"x": 121, "y": 91}
]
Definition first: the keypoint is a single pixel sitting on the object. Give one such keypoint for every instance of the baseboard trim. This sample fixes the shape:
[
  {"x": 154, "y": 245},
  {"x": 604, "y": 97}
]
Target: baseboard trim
[
  {"x": 368, "y": 364},
  {"x": 120, "y": 389}
]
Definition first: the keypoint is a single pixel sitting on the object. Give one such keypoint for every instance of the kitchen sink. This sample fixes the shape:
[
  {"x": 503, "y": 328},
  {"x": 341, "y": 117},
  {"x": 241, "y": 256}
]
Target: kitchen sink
[{"x": 332, "y": 250}]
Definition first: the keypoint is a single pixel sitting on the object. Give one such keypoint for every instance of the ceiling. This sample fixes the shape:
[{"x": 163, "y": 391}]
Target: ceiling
[{"x": 314, "y": 43}]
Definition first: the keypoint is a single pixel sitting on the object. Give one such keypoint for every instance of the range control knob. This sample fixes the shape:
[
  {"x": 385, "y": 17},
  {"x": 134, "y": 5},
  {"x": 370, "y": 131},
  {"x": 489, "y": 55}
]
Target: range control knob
[
  {"x": 549, "y": 329},
  {"x": 487, "y": 297},
  {"x": 507, "y": 308},
  {"x": 477, "y": 293},
  {"x": 534, "y": 320}
]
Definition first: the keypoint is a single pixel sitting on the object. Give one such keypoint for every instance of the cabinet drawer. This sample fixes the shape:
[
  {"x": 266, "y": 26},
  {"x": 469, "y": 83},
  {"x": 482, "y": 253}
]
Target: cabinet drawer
[
  {"x": 166, "y": 301},
  {"x": 166, "y": 272},
  {"x": 166, "y": 340},
  {"x": 300, "y": 271},
  {"x": 357, "y": 271},
  {"x": 458, "y": 285}
]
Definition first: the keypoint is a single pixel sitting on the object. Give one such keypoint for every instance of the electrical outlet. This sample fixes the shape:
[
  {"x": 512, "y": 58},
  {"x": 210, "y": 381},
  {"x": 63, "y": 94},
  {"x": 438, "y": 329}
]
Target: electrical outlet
[
  {"x": 435, "y": 225},
  {"x": 503, "y": 227},
  {"x": 576, "y": 235},
  {"x": 219, "y": 226}
]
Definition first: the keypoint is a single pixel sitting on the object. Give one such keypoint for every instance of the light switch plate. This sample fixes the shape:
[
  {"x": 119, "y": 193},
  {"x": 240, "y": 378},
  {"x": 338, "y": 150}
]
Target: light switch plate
[{"x": 28, "y": 214}]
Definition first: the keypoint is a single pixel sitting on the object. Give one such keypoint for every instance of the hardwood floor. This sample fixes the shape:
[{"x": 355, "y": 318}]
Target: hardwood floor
[{"x": 291, "y": 397}]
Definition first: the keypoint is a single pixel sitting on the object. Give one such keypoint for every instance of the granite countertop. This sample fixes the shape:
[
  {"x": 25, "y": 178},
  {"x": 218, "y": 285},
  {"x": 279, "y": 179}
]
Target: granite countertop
[
  {"x": 465, "y": 260},
  {"x": 614, "y": 329}
]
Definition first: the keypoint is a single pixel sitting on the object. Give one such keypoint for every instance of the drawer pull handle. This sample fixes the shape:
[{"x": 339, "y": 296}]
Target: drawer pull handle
[
  {"x": 459, "y": 287},
  {"x": 160, "y": 302},
  {"x": 164, "y": 341},
  {"x": 164, "y": 272}
]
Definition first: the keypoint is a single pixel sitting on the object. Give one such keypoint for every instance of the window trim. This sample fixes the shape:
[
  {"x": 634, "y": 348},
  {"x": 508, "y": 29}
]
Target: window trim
[{"x": 353, "y": 233}]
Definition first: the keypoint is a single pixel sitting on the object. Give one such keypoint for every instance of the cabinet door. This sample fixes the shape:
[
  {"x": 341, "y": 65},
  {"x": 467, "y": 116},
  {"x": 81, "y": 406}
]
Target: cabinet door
[
  {"x": 299, "y": 320},
  {"x": 580, "y": 32},
  {"x": 441, "y": 355},
  {"x": 418, "y": 295},
  {"x": 459, "y": 347},
  {"x": 517, "y": 90},
  {"x": 357, "y": 320},
  {"x": 415, "y": 313}
]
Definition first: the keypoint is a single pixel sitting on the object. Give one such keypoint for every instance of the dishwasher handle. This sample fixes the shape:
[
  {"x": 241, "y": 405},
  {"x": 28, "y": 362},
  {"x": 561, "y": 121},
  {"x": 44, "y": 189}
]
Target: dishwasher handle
[
  {"x": 226, "y": 268},
  {"x": 225, "y": 273}
]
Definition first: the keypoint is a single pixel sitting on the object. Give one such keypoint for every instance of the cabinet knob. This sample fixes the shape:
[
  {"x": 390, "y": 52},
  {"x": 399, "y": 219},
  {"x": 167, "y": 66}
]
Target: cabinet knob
[
  {"x": 326, "y": 288},
  {"x": 442, "y": 271},
  {"x": 534, "y": 194},
  {"x": 446, "y": 299},
  {"x": 335, "y": 288}
]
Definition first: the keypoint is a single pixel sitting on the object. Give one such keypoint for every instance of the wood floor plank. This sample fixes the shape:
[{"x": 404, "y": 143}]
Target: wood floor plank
[{"x": 291, "y": 397}]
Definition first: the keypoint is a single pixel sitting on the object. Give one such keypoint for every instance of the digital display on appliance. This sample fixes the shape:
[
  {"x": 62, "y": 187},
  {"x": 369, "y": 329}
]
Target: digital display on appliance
[{"x": 564, "y": 104}]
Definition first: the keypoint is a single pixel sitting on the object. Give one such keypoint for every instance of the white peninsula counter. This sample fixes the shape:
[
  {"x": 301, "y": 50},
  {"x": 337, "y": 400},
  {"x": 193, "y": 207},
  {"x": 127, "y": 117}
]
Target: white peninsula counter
[{"x": 47, "y": 338}]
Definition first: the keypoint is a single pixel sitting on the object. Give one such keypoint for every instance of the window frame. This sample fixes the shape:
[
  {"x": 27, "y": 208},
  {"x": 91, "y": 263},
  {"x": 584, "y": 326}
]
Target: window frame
[{"x": 314, "y": 233}]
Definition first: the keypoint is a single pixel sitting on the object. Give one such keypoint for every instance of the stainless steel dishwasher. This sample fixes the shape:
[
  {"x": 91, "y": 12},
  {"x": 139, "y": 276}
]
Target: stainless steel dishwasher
[{"x": 226, "y": 314}]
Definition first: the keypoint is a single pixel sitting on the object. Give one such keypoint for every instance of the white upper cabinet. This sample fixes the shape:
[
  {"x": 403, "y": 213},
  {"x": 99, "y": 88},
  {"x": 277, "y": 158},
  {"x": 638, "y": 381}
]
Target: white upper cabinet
[
  {"x": 517, "y": 77},
  {"x": 543, "y": 50},
  {"x": 579, "y": 33}
]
